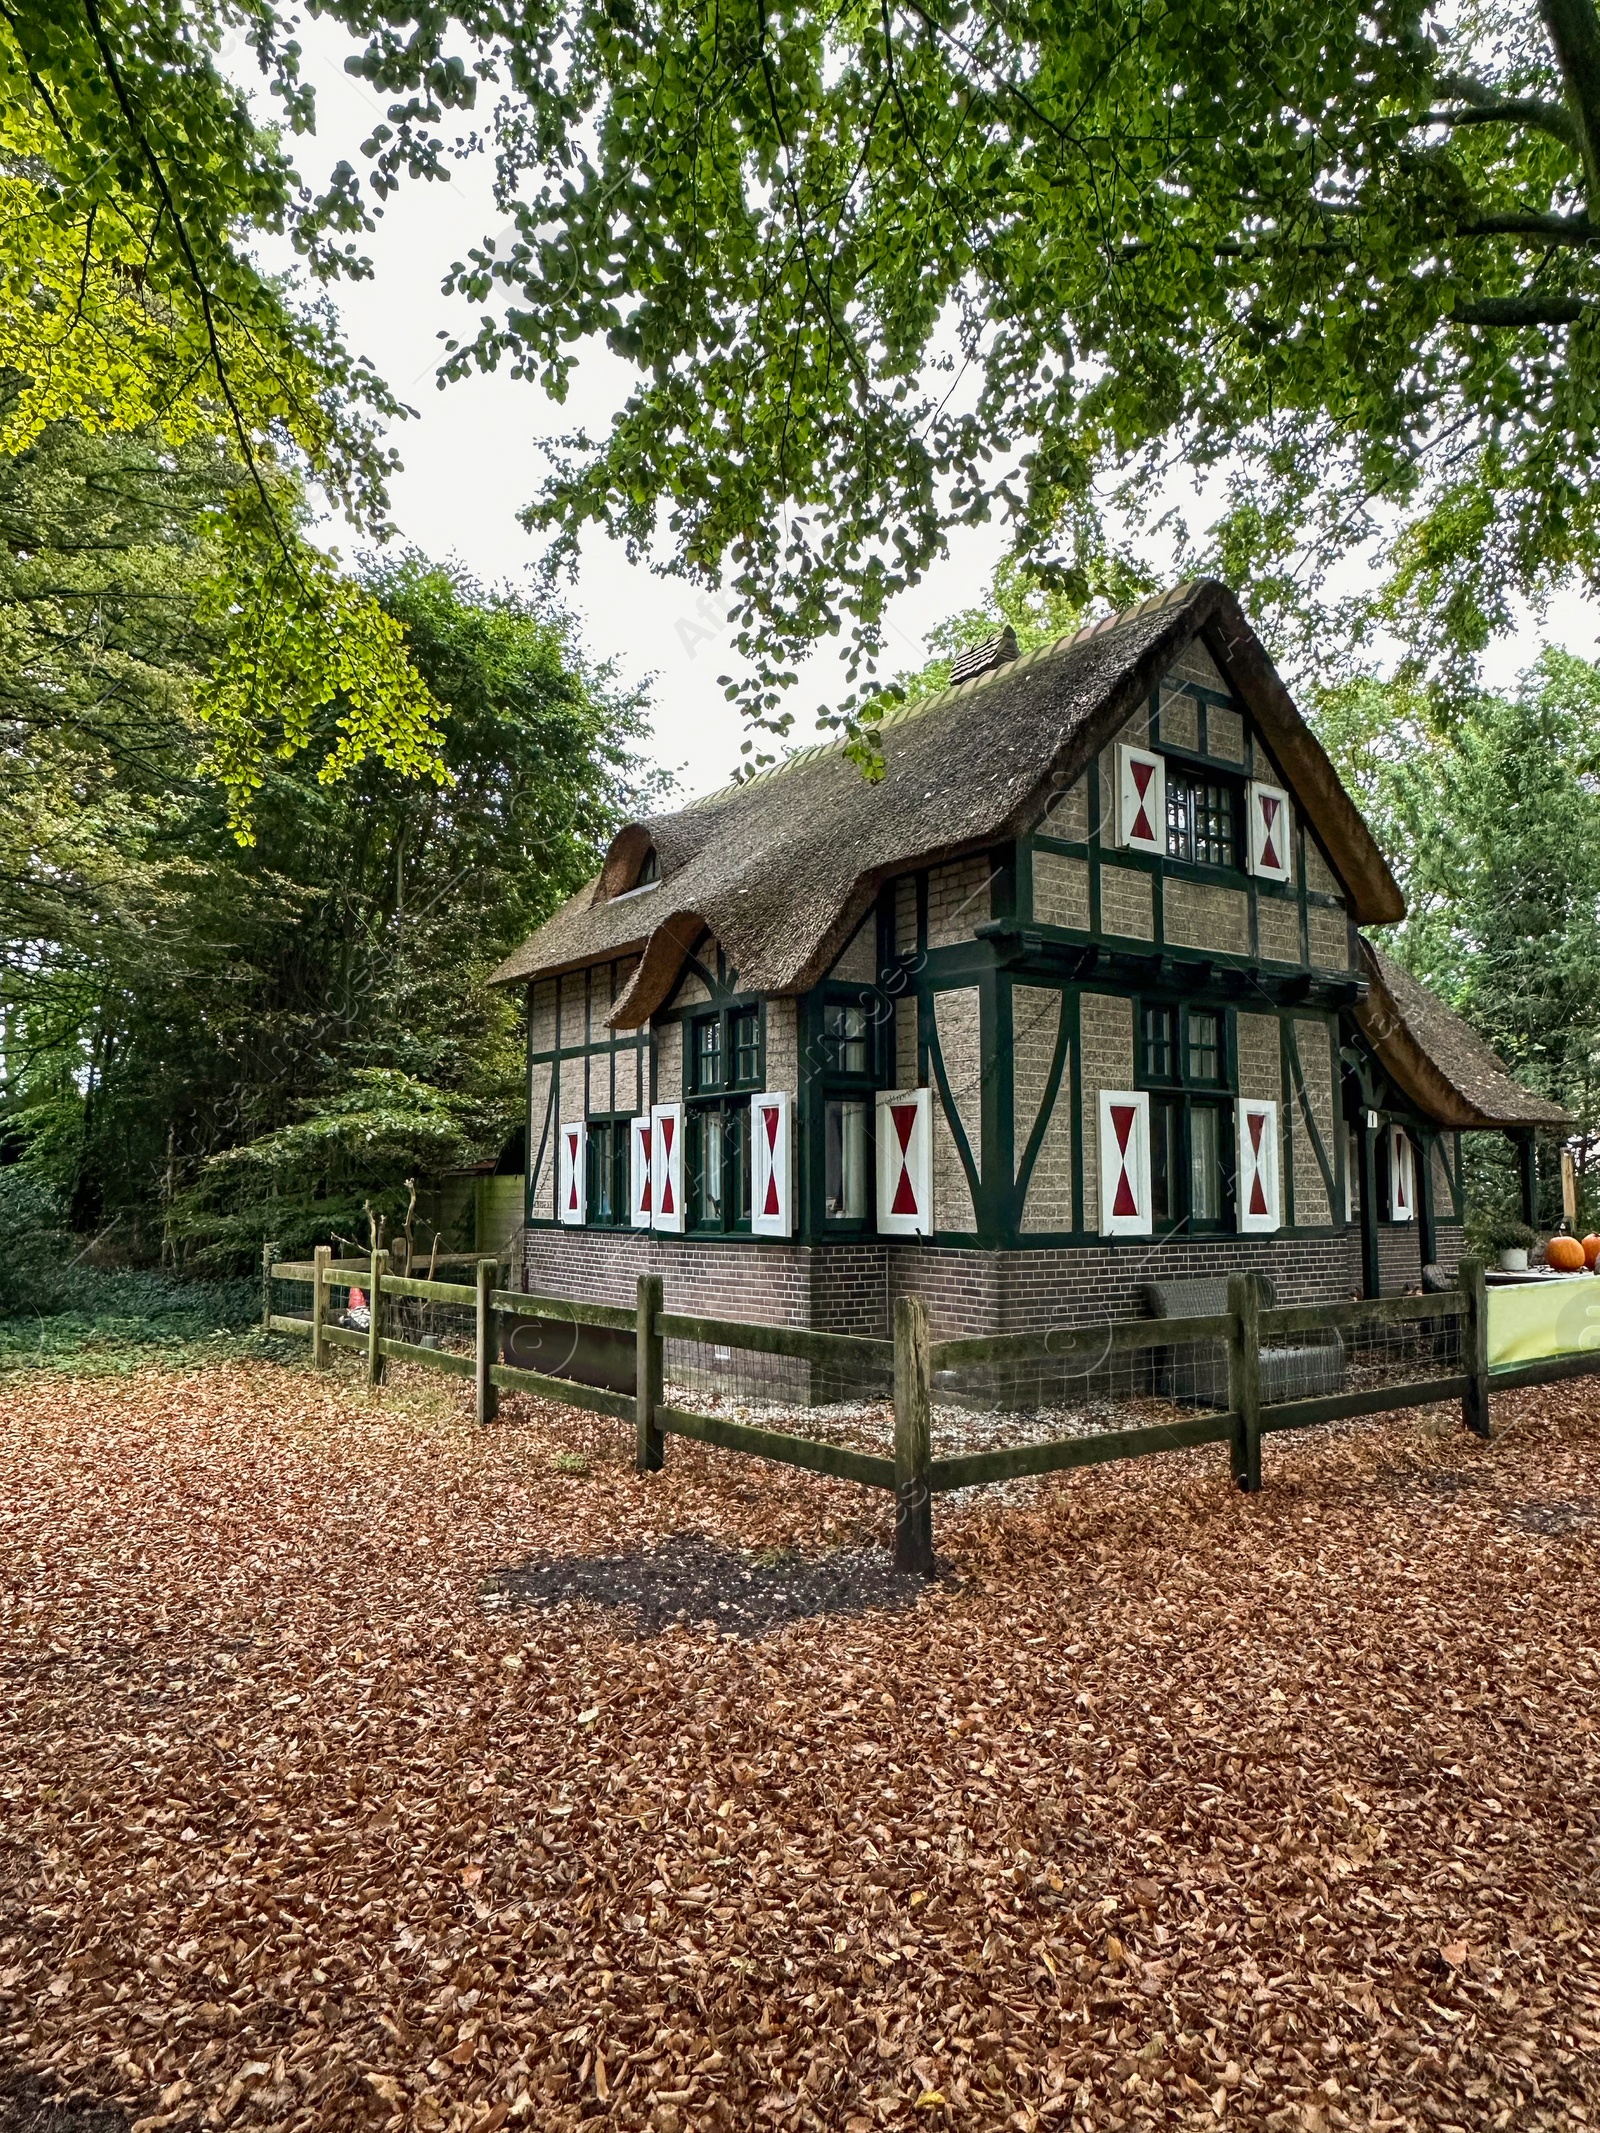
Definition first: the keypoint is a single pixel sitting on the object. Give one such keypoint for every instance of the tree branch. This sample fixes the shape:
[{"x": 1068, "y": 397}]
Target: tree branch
[
  {"x": 1524, "y": 311},
  {"x": 1574, "y": 28},
  {"x": 1483, "y": 106}
]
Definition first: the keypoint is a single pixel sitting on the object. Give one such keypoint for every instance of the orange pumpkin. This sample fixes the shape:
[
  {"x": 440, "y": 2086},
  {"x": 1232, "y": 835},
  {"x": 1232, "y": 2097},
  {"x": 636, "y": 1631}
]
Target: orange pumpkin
[
  {"x": 1591, "y": 1250},
  {"x": 1566, "y": 1255}
]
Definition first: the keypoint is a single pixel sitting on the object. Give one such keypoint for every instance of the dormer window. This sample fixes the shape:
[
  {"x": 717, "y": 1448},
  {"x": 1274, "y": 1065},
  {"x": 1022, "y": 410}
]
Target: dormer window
[
  {"x": 1202, "y": 819},
  {"x": 648, "y": 876}
]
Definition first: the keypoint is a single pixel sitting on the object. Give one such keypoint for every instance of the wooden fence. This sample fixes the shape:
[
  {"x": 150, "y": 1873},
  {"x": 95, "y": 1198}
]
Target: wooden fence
[{"x": 913, "y": 1358}]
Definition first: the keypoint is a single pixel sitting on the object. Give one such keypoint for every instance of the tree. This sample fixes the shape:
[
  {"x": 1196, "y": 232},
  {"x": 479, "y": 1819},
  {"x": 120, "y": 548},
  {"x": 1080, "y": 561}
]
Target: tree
[
  {"x": 132, "y": 182},
  {"x": 1489, "y": 812},
  {"x": 889, "y": 269},
  {"x": 168, "y": 997}
]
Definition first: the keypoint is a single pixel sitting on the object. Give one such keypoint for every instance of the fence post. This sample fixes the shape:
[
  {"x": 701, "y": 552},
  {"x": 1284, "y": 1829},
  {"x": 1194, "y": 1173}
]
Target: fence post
[
  {"x": 1244, "y": 1380},
  {"x": 913, "y": 1428},
  {"x": 269, "y": 1252},
  {"x": 649, "y": 1374},
  {"x": 486, "y": 1404},
  {"x": 319, "y": 1305},
  {"x": 375, "y": 1360},
  {"x": 1475, "y": 1347}
]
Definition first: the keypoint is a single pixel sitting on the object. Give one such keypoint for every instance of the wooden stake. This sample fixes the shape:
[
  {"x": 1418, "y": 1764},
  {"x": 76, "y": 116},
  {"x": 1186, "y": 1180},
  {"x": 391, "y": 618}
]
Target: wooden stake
[
  {"x": 649, "y": 1373},
  {"x": 375, "y": 1361},
  {"x": 319, "y": 1306},
  {"x": 1475, "y": 1347},
  {"x": 269, "y": 1252},
  {"x": 1569, "y": 1187},
  {"x": 1244, "y": 1380},
  {"x": 913, "y": 1432},
  {"x": 486, "y": 1404}
]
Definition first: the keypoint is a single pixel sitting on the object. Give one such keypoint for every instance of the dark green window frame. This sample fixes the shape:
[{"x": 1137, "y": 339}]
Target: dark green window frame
[
  {"x": 1205, "y": 818},
  {"x": 851, "y": 1066},
  {"x": 606, "y": 1184},
  {"x": 1183, "y": 1062},
  {"x": 724, "y": 1057}
]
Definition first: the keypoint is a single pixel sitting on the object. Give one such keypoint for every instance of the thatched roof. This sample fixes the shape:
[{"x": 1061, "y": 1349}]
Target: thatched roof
[
  {"x": 782, "y": 870},
  {"x": 1439, "y": 1060}
]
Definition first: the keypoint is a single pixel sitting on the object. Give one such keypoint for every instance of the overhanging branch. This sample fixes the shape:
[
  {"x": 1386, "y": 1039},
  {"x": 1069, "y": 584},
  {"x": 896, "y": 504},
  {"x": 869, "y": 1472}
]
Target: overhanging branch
[{"x": 1524, "y": 311}]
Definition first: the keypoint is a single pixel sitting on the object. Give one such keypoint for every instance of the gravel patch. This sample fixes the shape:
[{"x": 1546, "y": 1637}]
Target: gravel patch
[{"x": 687, "y": 1579}]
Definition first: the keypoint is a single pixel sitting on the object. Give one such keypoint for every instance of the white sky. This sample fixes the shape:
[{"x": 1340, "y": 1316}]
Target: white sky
[{"x": 473, "y": 458}]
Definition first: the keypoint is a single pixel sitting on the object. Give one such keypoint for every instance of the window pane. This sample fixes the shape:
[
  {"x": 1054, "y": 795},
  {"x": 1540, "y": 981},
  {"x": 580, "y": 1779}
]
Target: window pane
[
  {"x": 845, "y": 1186},
  {"x": 1180, "y": 815},
  {"x": 602, "y": 1186},
  {"x": 1160, "y": 1042},
  {"x": 747, "y": 1046},
  {"x": 1205, "y": 1164},
  {"x": 845, "y": 1035},
  {"x": 1164, "y": 1117},
  {"x": 708, "y": 1053},
  {"x": 705, "y": 1167},
  {"x": 1213, "y": 825},
  {"x": 738, "y": 1138},
  {"x": 1205, "y": 1048}
]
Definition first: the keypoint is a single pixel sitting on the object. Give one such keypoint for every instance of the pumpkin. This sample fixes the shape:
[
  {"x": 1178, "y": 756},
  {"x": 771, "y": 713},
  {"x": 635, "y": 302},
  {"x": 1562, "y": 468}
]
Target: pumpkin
[
  {"x": 1566, "y": 1255},
  {"x": 1591, "y": 1250}
]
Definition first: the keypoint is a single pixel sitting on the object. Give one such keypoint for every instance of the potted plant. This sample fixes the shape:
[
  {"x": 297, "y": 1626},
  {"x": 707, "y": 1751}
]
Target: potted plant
[{"x": 1511, "y": 1242}]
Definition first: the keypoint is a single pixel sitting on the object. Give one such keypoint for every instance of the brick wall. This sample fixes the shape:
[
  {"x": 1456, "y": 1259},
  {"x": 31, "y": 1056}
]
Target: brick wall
[
  {"x": 1061, "y": 890},
  {"x": 1069, "y": 815},
  {"x": 1328, "y": 936},
  {"x": 1105, "y": 1032},
  {"x": 1400, "y": 1257},
  {"x": 958, "y": 1022},
  {"x": 1127, "y": 903},
  {"x": 905, "y": 914},
  {"x": 958, "y": 901},
  {"x": 783, "y": 1046},
  {"x": 859, "y": 962},
  {"x": 1036, "y": 1023},
  {"x": 1197, "y": 915},
  {"x": 1179, "y": 719},
  {"x": 851, "y": 1287},
  {"x": 1278, "y": 927}
]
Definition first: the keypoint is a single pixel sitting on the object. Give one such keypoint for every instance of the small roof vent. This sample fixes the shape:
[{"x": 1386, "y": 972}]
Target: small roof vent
[{"x": 978, "y": 659}]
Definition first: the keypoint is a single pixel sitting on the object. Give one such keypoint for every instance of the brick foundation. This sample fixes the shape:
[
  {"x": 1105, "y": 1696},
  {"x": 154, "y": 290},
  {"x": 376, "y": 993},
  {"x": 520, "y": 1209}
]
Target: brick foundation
[{"x": 851, "y": 1287}]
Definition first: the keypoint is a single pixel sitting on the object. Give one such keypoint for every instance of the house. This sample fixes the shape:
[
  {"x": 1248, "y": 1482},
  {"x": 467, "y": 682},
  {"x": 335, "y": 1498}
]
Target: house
[{"x": 1073, "y": 997}]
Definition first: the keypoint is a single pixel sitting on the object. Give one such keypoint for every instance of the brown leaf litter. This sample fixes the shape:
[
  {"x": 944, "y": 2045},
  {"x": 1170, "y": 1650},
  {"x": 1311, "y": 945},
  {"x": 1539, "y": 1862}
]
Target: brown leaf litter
[{"x": 1164, "y": 1806}]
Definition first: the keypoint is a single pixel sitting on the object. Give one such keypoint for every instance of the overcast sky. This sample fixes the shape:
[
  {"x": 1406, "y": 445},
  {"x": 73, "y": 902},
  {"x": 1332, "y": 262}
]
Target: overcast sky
[{"x": 473, "y": 457}]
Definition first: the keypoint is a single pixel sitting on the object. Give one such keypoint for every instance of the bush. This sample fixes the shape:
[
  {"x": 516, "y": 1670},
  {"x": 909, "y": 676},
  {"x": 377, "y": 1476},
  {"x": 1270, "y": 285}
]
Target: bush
[{"x": 34, "y": 1243}]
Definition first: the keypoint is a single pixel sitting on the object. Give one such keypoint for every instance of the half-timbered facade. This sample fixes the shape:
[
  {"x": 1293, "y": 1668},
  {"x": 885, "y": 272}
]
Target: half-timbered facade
[{"x": 1073, "y": 997}]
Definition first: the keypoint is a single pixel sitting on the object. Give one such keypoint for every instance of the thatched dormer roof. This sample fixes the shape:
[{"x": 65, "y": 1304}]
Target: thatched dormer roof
[
  {"x": 1438, "y": 1059},
  {"x": 782, "y": 870}
]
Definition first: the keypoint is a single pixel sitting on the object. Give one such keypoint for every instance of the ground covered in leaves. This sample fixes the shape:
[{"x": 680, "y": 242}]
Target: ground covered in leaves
[{"x": 1162, "y": 1807}]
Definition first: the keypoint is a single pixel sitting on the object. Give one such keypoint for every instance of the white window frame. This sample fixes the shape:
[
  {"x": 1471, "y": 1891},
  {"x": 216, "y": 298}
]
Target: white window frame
[
  {"x": 771, "y": 1165},
  {"x": 1402, "y": 1163},
  {"x": 1141, "y": 1222},
  {"x": 572, "y": 1209},
  {"x": 1266, "y": 1172},
  {"x": 917, "y": 1163},
  {"x": 666, "y": 1170},
  {"x": 1255, "y": 844},
  {"x": 1129, "y": 805},
  {"x": 639, "y": 1195}
]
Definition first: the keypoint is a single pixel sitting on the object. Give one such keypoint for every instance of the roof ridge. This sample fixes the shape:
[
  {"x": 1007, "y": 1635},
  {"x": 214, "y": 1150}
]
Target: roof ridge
[{"x": 898, "y": 714}]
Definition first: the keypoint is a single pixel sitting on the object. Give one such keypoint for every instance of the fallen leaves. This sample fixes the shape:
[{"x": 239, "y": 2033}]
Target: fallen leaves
[{"x": 1166, "y": 1806}]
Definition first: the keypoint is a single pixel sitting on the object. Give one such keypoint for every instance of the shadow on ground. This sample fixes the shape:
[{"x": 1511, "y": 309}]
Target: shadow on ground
[
  {"x": 688, "y": 1579},
  {"x": 27, "y": 2106}
]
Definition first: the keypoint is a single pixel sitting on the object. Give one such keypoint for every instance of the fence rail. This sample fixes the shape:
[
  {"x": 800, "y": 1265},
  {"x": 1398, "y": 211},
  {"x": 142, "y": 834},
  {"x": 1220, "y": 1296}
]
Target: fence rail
[{"x": 1357, "y": 1340}]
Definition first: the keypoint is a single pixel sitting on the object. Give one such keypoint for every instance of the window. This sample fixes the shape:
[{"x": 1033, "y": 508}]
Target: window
[
  {"x": 723, "y": 1054},
  {"x": 706, "y": 1052},
  {"x": 1201, "y": 820},
  {"x": 844, "y": 1039},
  {"x": 745, "y": 1023},
  {"x": 845, "y": 1180},
  {"x": 606, "y": 1172},
  {"x": 649, "y": 869},
  {"x": 1205, "y": 1046},
  {"x": 1159, "y": 1031},
  {"x": 1190, "y": 1138}
]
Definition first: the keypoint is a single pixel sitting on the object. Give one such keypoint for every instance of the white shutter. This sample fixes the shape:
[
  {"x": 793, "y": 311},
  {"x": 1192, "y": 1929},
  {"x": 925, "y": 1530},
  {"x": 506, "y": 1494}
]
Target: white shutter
[
  {"x": 771, "y": 1197},
  {"x": 1256, "y": 1131},
  {"x": 1141, "y": 800},
  {"x": 1124, "y": 1163},
  {"x": 1270, "y": 830},
  {"x": 571, "y": 1206},
  {"x": 905, "y": 1163},
  {"x": 639, "y": 1195},
  {"x": 666, "y": 1168},
  {"x": 1402, "y": 1176}
]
